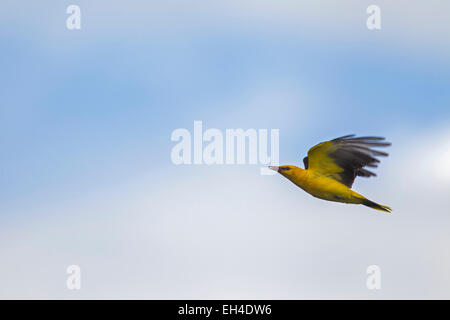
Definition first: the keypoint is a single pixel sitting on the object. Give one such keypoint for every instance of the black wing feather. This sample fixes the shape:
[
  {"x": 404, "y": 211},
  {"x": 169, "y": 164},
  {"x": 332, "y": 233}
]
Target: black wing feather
[
  {"x": 353, "y": 154},
  {"x": 305, "y": 162}
]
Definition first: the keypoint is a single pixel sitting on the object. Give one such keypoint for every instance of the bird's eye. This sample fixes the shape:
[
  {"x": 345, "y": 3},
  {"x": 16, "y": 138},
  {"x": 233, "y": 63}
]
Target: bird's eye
[{"x": 285, "y": 168}]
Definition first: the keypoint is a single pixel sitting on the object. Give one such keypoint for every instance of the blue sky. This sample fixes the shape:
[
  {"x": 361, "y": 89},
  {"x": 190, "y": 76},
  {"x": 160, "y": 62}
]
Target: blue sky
[{"x": 86, "y": 115}]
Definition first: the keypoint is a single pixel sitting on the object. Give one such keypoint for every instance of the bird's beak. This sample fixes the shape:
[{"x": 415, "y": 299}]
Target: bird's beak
[{"x": 274, "y": 168}]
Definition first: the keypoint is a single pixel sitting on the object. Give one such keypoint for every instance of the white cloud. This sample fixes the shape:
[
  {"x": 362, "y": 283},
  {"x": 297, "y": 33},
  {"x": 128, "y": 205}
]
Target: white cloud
[
  {"x": 408, "y": 26},
  {"x": 226, "y": 232}
]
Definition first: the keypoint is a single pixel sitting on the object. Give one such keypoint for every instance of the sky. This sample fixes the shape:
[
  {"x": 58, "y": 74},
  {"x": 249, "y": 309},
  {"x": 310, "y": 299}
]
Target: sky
[{"x": 87, "y": 179}]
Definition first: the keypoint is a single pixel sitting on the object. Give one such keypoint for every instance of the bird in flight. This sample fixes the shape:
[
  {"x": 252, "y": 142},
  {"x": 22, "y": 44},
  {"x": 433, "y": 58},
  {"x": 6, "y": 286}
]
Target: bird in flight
[{"x": 332, "y": 166}]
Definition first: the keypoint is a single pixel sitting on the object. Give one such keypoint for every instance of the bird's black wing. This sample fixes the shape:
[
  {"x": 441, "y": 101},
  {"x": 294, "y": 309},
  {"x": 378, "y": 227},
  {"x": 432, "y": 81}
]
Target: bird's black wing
[
  {"x": 344, "y": 158},
  {"x": 305, "y": 162}
]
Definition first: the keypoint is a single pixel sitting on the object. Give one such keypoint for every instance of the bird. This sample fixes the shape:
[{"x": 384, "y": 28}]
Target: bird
[{"x": 332, "y": 166}]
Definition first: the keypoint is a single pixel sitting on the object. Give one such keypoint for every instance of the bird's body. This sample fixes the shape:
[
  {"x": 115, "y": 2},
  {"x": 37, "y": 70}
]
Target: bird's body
[
  {"x": 320, "y": 186},
  {"x": 332, "y": 166},
  {"x": 323, "y": 187}
]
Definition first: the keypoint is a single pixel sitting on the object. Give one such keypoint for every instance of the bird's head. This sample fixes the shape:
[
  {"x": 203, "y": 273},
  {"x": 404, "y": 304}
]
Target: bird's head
[{"x": 287, "y": 170}]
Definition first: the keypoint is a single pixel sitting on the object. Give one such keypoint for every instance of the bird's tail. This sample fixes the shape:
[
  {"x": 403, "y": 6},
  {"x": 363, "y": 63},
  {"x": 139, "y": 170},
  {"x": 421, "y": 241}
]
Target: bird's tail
[{"x": 375, "y": 205}]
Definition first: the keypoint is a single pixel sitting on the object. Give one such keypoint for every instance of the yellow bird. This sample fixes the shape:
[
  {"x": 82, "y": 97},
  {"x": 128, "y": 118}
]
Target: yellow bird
[{"x": 332, "y": 166}]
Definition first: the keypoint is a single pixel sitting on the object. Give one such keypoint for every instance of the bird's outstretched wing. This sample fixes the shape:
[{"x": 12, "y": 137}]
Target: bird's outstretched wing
[{"x": 345, "y": 157}]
